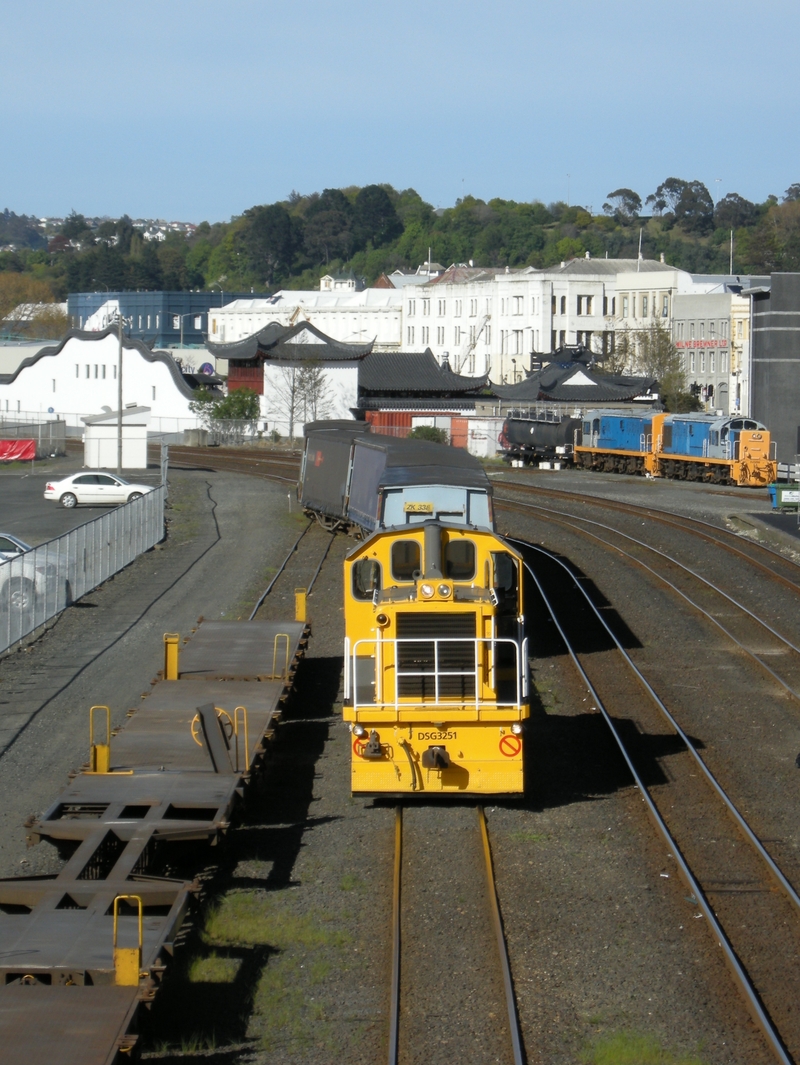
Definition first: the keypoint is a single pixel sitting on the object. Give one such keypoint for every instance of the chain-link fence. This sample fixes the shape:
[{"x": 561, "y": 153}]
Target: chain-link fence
[{"x": 37, "y": 585}]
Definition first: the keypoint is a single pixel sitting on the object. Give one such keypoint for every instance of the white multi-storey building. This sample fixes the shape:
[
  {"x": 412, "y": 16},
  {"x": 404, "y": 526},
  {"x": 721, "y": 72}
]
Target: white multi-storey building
[{"x": 347, "y": 316}]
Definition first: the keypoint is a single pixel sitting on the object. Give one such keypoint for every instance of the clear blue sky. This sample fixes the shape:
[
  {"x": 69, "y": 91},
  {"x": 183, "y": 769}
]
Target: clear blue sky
[{"x": 192, "y": 110}]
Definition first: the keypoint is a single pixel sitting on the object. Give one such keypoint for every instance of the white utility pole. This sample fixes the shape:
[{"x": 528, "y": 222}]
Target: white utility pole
[{"x": 120, "y": 320}]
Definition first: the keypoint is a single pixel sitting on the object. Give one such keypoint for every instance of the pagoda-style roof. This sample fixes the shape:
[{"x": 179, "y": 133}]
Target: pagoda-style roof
[
  {"x": 413, "y": 373},
  {"x": 302, "y": 342},
  {"x": 574, "y": 383}
]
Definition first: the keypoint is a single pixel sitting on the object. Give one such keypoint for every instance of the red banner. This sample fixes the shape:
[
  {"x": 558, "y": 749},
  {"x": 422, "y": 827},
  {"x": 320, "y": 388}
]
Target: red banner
[{"x": 22, "y": 450}]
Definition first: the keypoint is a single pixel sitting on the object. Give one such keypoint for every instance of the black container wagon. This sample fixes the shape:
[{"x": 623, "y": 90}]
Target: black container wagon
[
  {"x": 350, "y": 477},
  {"x": 532, "y": 439}
]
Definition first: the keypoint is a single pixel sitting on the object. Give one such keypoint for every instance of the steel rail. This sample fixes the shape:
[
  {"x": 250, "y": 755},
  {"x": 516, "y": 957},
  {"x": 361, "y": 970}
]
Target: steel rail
[
  {"x": 730, "y": 806},
  {"x": 319, "y": 567},
  {"x": 758, "y": 1012},
  {"x": 394, "y": 993},
  {"x": 695, "y": 606},
  {"x": 283, "y": 566},
  {"x": 497, "y": 922},
  {"x": 666, "y": 518}
]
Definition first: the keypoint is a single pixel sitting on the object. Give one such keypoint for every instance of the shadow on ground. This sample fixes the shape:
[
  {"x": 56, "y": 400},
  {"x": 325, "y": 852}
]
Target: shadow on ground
[{"x": 199, "y": 1016}]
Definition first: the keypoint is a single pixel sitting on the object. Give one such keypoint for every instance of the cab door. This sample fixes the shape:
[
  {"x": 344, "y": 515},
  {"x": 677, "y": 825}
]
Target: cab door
[{"x": 85, "y": 488}]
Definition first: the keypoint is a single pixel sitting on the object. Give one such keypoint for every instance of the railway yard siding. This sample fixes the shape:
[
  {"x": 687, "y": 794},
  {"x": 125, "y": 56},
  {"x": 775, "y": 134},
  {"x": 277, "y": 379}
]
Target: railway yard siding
[{"x": 287, "y": 958}]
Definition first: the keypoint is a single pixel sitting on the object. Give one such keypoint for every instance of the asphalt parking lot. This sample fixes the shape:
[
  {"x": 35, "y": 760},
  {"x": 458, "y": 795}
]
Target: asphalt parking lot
[{"x": 27, "y": 514}]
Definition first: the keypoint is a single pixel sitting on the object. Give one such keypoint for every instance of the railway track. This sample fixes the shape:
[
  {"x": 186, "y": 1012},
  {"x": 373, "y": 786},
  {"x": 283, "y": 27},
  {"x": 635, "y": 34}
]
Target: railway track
[
  {"x": 274, "y": 467},
  {"x": 777, "y": 566},
  {"x": 135, "y": 824},
  {"x": 405, "y": 925},
  {"x": 751, "y": 908},
  {"x": 748, "y": 632}
]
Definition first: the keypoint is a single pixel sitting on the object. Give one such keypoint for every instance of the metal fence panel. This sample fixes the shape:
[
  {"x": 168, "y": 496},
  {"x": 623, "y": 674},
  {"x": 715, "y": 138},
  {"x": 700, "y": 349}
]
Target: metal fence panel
[{"x": 38, "y": 585}]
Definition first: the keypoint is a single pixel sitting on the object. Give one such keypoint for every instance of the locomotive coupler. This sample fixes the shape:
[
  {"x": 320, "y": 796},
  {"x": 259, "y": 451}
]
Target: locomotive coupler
[
  {"x": 373, "y": 747},
  {"x": 436, "y": 758}
]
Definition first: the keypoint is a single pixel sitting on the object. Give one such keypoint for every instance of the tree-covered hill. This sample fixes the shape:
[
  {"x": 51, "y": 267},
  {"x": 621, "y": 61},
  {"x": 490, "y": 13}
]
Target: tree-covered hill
[{"x": 378, "y": 229}]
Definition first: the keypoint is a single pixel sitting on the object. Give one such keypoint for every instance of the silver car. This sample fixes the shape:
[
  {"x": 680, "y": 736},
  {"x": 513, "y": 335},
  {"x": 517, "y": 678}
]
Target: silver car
[{"x": 19, "y": 585}]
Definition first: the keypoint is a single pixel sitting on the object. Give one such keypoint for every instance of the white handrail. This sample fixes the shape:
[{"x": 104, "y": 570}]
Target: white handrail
[{"x": 379, "y": 643}]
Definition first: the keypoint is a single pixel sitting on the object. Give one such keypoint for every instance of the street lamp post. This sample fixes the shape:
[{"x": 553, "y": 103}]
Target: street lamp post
[
  {"x": 191, "y": 314},
  {"x": 120, "y": 322}
]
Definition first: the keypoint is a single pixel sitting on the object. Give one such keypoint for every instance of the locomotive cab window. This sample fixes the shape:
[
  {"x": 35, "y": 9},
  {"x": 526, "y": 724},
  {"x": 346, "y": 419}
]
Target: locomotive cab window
[
  {"x": 405, "y": 560},
  {"x": 459, "y": 560},
  {"x": 366, "y": 578}
]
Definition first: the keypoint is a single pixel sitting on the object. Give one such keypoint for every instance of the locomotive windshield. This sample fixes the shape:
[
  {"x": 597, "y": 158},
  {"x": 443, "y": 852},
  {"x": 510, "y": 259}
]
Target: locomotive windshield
[
  {"x": 459, "y": 560},
  {"x": 405, "y": 560},
  {"x": 366, "y": 578}
]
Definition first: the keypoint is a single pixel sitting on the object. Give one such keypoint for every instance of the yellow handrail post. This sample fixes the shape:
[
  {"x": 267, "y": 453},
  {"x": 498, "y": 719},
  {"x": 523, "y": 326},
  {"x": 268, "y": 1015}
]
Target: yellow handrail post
[
  {"x": 246, "y": 736},
  {"x": 285, "y": 673},
  {"x": 171, "y": 640},
  {"x": 99, "y": 753},
  {"x": 127, "y": 960},
  {"x": 300, "y": 597}
]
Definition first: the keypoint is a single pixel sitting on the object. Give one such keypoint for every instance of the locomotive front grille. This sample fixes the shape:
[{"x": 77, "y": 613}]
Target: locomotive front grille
[{"x": 428, "y": 663}]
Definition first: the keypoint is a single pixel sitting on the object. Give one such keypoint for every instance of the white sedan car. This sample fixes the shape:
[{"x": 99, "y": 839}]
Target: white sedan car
[
  {"x": 22, "y": 583},
  {"x": 94, "y": 487}
]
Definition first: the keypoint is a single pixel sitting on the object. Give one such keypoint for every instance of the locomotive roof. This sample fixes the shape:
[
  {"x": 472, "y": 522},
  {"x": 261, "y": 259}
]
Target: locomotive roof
[
  {"x": 382, "y": 530},
  {"x": 698, "y": 417}
]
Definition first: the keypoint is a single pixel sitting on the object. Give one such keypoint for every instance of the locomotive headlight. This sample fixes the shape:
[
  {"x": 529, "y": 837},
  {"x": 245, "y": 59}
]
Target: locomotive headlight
[
  {"x": 426, "y": 591},
  {"x": 444, "y": 590},
  {"x": 516, "y": 728},
  {"x": 359, "y": 730}
]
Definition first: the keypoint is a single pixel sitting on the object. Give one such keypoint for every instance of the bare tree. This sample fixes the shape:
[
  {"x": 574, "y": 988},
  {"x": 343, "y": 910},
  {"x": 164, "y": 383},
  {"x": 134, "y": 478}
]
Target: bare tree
[{"x": 314, "y": 393}]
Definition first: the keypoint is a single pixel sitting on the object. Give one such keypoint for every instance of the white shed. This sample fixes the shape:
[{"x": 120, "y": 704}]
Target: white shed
[{"x": 101, "y": 436}]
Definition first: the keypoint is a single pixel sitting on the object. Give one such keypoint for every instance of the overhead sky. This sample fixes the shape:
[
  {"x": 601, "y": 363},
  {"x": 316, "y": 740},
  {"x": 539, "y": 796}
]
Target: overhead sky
[{"x": 190, "y": 110}]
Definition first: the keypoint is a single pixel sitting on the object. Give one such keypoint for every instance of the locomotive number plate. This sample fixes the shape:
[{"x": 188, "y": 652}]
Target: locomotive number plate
[
  {"x": 418, "y": 508},
  {"x": 437, "y": 736}
]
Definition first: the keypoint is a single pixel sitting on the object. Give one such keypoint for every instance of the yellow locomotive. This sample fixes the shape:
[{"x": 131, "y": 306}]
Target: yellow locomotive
[{"x": 436, "y": 664}]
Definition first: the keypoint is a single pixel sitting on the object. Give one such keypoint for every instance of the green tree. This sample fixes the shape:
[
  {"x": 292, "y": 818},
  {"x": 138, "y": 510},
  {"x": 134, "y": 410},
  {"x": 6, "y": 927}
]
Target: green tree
[
  {"x": 375, "y": 220},
  {"x": 430, "y": 433},
  {"x": 328, "y": 228},
  {"x": 268, "y": 239},
  {"x": 624, "y": 204}
]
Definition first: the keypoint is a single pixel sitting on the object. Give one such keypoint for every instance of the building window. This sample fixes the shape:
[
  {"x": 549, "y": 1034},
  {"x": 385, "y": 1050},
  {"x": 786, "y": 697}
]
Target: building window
[
  {"x": 633, "y": 305},
  {"x": 553, "y": 305},
  {"x": 562, "y": 338},
  {"x": 487, "y": 333},
  {"x": 679, "y": 330},
  {"x": 472, "y": 362},
  {"x": 473, "y": 308},
  {"x": 563, "y": 304},
  {"x": 213, "y": 325},
  {"x": 702, "y": 362},
  {"x": 711, "y": 362},
  {"x": 158, "y": 321},
  {"x": 518, "y": 344},
  {"x": 104, "y": 371},
  {"x": 426, "y": 333},
  {"x": 691, "y": 330},
  {"x": 702, "y": 330},
  {"x": 472, "y": 334},
  {"x": 115, "y": 371},
  {"x": 96, "y": 371},
  {"x": 605, "y": 306},
  {"x": 412, "y": 307},
  {"x": 54, "y": 384},
  {"x": 518, "y": 304},
  {"x": 692, "y": 363},
  {"x": 613, "y": 305},
  {"x": 176, "y": 321},
  {"x": 487, "y": 363},
  {"x": 457, "y": 335},
  {"x": 665, "y": 307},
  {"x": 723, "y": 362},
  {"x": 533, "y": 305},
  {"x": 458, "y": 309},
  {"x": 411, "y": 334},
  {"x": 87, "y": 372},
  {"x": 426, "y": 307},
  {"x": 723, "y": 329},
  {"x": 553, "y": 340},
  {"x": 154, "y": 391},
  {"x": 140, "y": 322},
  {"x": 148, "y": 321},
  {"x": 442, "y": 308},
  {"x": 739, "y": 330},
  {"x": 624, "y": 306},
  {"x": 78, "y": 369},
  {"x": 644, "y": 306},
  {"x": 198, "y": 321},
  {"x": 440, "y": 334},
  {"x": 712, "y": 329}
]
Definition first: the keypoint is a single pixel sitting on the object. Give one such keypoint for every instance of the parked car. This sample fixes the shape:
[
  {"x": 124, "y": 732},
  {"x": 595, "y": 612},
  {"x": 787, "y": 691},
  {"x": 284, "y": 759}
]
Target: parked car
[
  {"x": 94, "y": 486},
  {"x": 22, "y": 588}
]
